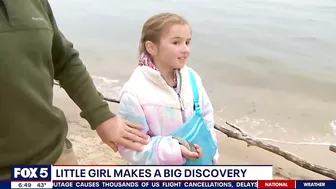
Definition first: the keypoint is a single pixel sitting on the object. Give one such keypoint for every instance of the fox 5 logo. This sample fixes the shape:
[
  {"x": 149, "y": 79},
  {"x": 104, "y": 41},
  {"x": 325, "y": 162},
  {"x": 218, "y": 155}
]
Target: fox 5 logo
[{"x": 31, "y": 172}]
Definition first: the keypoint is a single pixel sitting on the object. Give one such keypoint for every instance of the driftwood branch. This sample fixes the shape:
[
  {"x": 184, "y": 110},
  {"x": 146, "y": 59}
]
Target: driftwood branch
[
  {"x": 241, "y": 135},
  {"x": 332, "y": 148},
  {"x": 276, "y": 150}
]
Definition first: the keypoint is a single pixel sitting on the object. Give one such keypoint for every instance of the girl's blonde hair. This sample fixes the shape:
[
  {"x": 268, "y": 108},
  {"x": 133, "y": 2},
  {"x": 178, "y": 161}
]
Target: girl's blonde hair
[{"x": 156, "y": 25}]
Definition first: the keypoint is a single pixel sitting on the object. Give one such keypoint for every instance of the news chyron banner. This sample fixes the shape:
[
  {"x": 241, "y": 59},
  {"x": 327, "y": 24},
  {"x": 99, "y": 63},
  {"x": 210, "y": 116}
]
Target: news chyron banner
[{"x": 185, "y": 177}]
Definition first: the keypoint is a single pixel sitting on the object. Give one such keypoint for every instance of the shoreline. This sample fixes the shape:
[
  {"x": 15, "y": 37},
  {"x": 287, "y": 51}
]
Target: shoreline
[
  {"x": 283, "y": 108},
  {"x": 90, "y": 150}
]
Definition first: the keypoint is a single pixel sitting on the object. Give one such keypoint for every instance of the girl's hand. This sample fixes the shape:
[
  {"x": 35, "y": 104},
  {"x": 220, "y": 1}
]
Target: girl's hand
[
  {"x": 189, "y": 154},
  {"x": 199, "y": 150}
]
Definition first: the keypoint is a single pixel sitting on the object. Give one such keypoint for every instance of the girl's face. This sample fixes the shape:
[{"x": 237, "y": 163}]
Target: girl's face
[{"x": 173, "y": 49}]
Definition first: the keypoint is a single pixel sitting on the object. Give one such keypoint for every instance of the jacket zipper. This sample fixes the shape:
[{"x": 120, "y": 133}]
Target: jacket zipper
[
  {"x": 179, "y": 80},
  {"x": 181, "y": 105},
  {"x": 181, "y": 102}
]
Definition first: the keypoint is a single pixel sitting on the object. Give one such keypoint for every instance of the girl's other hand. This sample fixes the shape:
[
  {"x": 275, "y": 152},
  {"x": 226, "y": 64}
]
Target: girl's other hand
[
  {"x": 189, "y": 154},
  {"x": 199, "y": 150}
]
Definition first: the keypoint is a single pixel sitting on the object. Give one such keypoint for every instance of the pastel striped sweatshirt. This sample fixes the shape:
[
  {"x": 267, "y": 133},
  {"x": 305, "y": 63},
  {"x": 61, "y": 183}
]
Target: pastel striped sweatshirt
[{"x": 147, "y": 99}]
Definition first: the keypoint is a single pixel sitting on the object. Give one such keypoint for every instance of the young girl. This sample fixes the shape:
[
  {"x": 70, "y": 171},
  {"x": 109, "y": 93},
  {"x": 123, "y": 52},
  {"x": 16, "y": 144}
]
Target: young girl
[{"x": 168, "y": 98}]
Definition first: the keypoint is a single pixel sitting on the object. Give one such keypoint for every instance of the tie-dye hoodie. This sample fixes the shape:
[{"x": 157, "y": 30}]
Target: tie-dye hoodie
[{"x": 147, "y": 99}]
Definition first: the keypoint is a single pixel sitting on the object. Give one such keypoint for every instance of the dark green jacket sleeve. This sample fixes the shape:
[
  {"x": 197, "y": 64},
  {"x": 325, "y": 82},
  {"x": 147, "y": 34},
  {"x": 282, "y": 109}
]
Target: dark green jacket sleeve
[{"x": 75, "y": 79}]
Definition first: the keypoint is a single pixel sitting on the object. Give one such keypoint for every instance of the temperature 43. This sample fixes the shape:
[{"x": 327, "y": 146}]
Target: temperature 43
[
  {"x": 44, "y": 185},
  {"x": 41, "y": 184}
]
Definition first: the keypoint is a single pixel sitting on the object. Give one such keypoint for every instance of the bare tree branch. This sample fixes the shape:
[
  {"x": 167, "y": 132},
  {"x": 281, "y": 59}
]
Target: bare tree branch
[{"x": 276, "y": 150}]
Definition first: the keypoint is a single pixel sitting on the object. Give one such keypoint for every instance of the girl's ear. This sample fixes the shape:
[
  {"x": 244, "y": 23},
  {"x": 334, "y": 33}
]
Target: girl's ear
[{"x": 151, "y": 48}]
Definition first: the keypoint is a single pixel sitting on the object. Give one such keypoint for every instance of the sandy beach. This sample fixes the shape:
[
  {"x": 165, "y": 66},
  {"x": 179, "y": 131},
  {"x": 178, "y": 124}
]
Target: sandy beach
[{"x": 90, "y": 150}]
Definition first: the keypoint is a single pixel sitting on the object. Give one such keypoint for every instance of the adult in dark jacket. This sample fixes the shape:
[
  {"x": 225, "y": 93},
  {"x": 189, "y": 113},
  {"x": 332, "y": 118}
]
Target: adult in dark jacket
[{"x": 34, "y": 53}]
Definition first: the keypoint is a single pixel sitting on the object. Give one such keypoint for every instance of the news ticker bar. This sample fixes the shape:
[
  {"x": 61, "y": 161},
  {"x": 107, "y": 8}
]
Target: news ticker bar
[{"x": 171, "y": 184}]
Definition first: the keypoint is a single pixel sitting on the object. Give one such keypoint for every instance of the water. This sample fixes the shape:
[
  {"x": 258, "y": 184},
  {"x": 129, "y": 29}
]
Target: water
[{"x": 268, "y": 66}]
